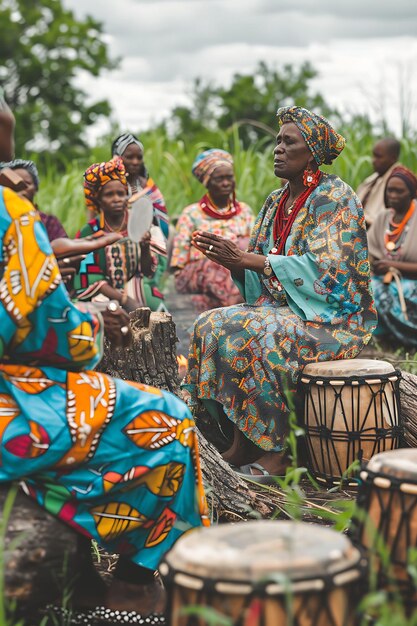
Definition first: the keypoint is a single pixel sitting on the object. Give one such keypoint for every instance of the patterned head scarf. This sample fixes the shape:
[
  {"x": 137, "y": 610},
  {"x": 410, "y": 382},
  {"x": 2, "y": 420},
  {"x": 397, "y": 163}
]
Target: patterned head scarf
[
  {"x": 206, "y": 162},
  {"x": 97, "y": 175},
  {"x": 120, "y": 144},
  {"x": 407, "y": 176},
  {"x": 21, "y": 164},
  {"x": 324, "y": 142}
]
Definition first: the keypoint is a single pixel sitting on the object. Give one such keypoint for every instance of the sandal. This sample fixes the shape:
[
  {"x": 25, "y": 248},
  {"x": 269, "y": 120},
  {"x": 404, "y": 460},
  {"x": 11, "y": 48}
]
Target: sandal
[
  {"x": 265, "y": 478},
  {"x": 110, "y": 617}
]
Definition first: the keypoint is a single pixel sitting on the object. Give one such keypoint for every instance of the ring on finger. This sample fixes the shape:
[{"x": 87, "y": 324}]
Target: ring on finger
[
  {"x": 210, "y": 247},
  {"x": 113, "y": 306},
  {"x": 124, "y": 330}
]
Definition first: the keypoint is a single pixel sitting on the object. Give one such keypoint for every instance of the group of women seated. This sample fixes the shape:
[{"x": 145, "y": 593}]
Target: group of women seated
[
  {"x": 132, "y": 273},
  {"x": 294, "y": 289}
]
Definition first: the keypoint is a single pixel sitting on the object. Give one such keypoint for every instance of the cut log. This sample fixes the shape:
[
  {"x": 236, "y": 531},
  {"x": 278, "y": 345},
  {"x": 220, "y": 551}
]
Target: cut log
[
  {"x": 39, "y": 553},
  {"x": 152, "y": 358},
  {"x": 408, "y": 399}
]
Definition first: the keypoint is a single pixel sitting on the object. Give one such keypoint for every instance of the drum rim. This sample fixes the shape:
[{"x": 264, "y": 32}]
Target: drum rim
[
  {"x": 383, "y": 480},
  {"x": 307, "y": 379},
  {"x": 268, "y": 586}
]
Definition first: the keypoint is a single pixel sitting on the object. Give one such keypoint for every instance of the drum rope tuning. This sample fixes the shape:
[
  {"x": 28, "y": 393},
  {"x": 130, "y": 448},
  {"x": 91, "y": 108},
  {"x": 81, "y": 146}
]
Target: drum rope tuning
[
  {"x": 350, "y": 417},
  {"x": 387, "y": 513}
]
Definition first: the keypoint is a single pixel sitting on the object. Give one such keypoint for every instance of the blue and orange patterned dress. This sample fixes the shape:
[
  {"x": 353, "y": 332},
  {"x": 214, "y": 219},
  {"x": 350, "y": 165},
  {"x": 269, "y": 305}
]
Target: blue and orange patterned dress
[
  {"x": 316, "y": 306},
  {"x": 116, "y": 461}
]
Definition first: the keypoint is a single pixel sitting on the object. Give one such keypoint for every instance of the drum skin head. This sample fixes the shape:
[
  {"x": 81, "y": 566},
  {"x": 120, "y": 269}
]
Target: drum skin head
[
  {"x": 257, "y": 550},
  {"x": 400, "y": 464},
  {"x": 348, "y": 367}
]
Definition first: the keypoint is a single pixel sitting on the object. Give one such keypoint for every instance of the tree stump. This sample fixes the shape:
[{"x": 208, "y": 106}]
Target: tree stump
[
  {"x": 152, "y": 358},
  {"x": 38, "y": 553}
]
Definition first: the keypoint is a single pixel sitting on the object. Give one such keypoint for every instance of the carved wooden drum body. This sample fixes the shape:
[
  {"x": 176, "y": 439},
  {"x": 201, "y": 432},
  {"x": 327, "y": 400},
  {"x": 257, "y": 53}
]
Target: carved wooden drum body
[
  {"x": 387, "y": 499},
  {"x": 351, "y": 412},
  {"x": 263, "y": 573}
]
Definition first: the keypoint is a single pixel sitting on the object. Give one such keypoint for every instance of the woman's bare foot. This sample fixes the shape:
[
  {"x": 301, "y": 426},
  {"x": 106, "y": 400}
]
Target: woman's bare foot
[
  {"x": 275, "y": 463},
  {"x": 144, "y": 599}
]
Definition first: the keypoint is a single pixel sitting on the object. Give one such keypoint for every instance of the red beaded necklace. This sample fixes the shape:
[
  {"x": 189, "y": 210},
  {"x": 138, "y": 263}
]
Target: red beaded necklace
[
  {"x": 209, "y": 208},
  {"x": 283, "y": 223}
]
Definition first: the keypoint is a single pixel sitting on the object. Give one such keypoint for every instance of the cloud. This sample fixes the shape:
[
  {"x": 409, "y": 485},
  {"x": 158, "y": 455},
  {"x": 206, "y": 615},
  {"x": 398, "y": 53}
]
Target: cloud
[{"x": 165, "y": 44}]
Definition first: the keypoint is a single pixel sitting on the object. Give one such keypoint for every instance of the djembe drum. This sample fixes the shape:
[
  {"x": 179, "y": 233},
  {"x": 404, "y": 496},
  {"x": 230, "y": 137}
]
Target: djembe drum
[
  {"x": 351, "y": 412},
  {"x": 387, "y": 502},
  {"x": 263, "y": 573}
]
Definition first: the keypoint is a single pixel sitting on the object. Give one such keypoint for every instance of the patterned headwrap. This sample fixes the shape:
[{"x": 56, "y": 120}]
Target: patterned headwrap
[
  {"x": 206, "y": 162},
  {"x": 121, "y": 143},
  {"x": 97, "y": 175},
  {"x": 324, "y": 142},
  {"x": 21, "y": 164},
  {"x": 407, "y": 176}
]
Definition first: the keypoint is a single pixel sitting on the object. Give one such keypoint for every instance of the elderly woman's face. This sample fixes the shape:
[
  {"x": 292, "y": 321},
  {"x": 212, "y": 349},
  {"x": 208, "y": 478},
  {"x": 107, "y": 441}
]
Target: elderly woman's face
[
  {"x": 222, "y": 181},
  {"x": 291, "y": 154},
  {"x": 133, "y": 160},
  {"x": 113, "y": 198},
  {"x": 398, "y": 195}
]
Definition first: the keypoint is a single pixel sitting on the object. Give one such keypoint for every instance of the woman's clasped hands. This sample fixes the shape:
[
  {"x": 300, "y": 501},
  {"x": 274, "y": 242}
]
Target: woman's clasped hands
[{"x": 218, "y": 249}]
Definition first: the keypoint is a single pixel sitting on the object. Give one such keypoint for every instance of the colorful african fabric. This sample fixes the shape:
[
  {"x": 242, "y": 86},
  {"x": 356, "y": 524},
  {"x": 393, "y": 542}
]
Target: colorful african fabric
[
  {"x": 392, "y": 320},
  {"x": 211, "y": 284},
  {"x": 116, "y": 461},
  {"x": 119, "y": 265},
  {"x": 316, "y": 306},
  {"x": 97, "y": 175},
  {"x": 206, "y": 162},
  {"x": 324, "y": 142}
]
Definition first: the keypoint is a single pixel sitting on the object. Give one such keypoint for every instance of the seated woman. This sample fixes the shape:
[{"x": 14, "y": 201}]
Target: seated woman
[
  {"x": 218, "y": 212},
  {"x": 28, "y": 171},
  {"x": 146, "y": 289},
  {"x": 306, "y": 283},
  {"x": 83, "y": 444},
  {"x": 112, "y": 271},
  {"x": 392, "y": 244}
]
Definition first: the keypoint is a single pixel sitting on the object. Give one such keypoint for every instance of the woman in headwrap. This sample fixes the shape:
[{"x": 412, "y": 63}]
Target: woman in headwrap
[
  {"x": 112, "y": 271},
  {"x": 28, "y": 171},
  {"x": 217, "y": 212},
  {"x": 393, "y": 251},
  {"x": 306, "y": 282},
  {"x": 130, "y": 149}
]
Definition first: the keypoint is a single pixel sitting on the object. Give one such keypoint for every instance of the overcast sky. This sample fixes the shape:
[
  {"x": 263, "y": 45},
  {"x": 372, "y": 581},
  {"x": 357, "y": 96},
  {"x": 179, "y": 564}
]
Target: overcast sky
[{"x": 364, "y": 50}]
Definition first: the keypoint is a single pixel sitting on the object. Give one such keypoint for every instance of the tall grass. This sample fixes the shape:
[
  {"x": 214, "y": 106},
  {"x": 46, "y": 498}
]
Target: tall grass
[{"x": 169, "y": 161}]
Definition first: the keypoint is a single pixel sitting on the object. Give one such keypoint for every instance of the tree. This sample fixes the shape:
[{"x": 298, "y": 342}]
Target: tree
[
  {"x": 251, "y": 101},
  {"x": 43, "y": 48}
]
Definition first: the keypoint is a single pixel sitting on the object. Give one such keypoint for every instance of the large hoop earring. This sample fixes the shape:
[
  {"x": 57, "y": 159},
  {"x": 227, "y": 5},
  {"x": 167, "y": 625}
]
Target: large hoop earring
[{"x": 310, "y": 178}]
